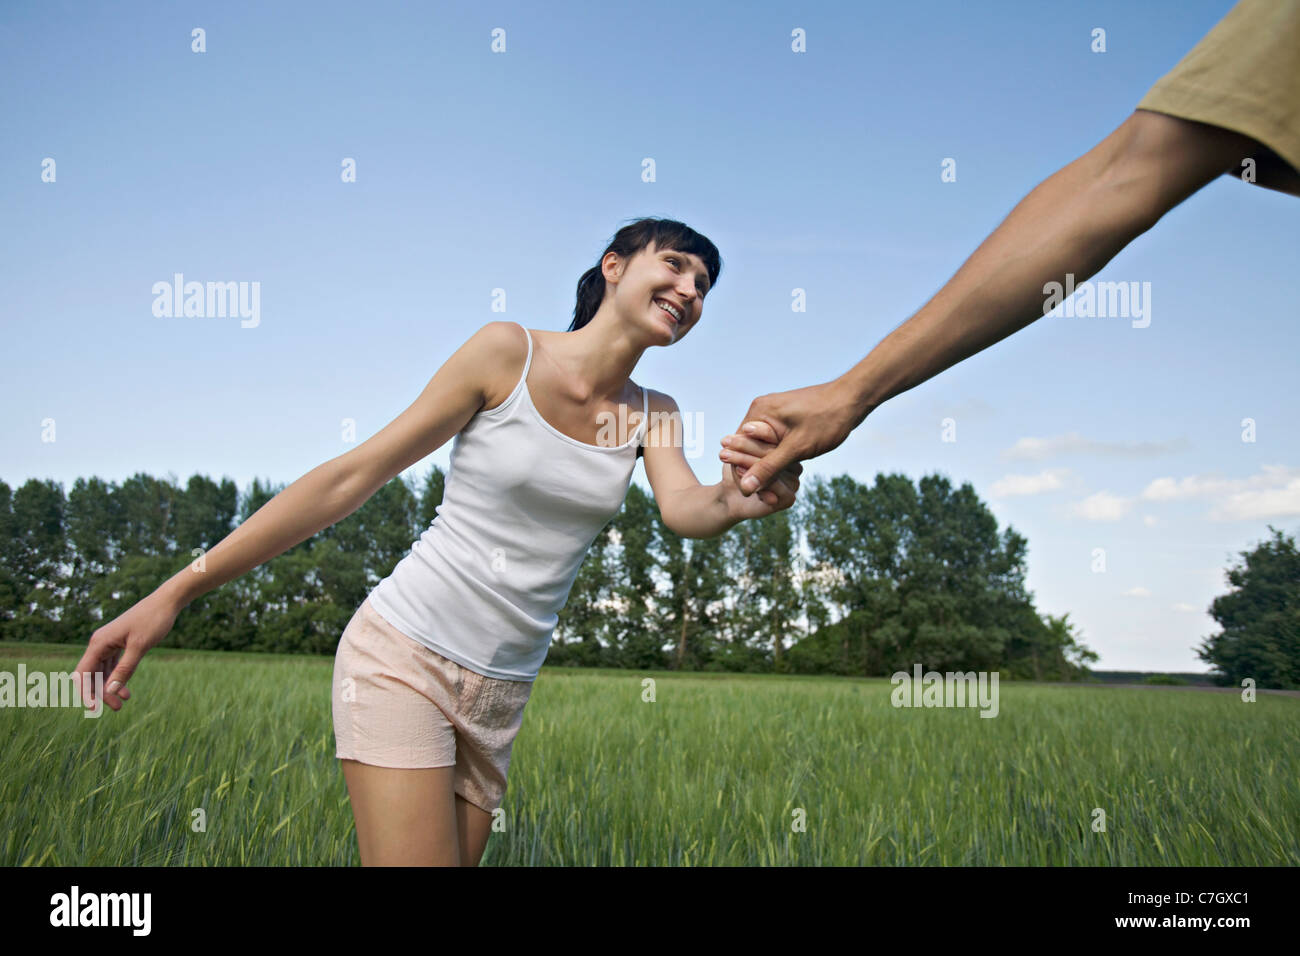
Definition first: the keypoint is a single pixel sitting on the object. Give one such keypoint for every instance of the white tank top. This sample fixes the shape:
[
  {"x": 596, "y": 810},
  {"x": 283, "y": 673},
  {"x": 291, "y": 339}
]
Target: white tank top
[{"x": 522, "y": 504}]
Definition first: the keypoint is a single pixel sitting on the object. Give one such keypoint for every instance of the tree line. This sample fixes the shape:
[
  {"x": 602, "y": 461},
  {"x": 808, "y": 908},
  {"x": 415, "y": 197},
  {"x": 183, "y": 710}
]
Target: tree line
[{"x": 855, "y": 579}]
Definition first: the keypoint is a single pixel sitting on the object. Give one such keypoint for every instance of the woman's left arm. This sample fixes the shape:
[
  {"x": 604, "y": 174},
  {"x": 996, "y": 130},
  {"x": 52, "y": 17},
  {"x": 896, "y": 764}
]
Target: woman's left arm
[{"x": 693, "y": 510}]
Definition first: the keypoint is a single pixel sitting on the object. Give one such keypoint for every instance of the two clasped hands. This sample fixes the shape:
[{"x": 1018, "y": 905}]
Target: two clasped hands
[{"x": 783, "y": 428}]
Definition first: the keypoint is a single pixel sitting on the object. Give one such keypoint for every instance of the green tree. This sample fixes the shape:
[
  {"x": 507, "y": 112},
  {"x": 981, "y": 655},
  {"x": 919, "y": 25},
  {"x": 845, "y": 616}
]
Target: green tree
[
  {"x": 37, "y": 561},
  {"x": 766, "y": 596},
  {"x": 920, "y": 575},
  {"x": 1260, "y": 619},
  {"x": 694, "y": 599},
  {"x": 635, "y": 636},
  {"x": 584, "y": 623}
]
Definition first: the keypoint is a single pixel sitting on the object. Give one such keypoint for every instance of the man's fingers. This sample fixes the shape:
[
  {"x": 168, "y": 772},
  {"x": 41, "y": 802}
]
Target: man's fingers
[{"x": 764, "y": 471}]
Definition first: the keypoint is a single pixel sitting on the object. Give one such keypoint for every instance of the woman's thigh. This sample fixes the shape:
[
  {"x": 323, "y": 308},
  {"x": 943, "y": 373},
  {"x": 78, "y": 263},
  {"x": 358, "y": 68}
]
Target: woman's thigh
[
  {"x": 405, "y": 718},
  {"x": 404, "y": 817}
]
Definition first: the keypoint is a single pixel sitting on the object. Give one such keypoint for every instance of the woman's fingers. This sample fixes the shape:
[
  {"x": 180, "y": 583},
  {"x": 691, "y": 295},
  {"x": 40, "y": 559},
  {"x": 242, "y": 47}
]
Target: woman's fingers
[
  {"x": 747, "y": 444},
  {"x": 744, "y": 451},
  {"x": 102, "y": 655},
  {"x": 742, "y": 461},
  {"x": 737, "y": 458},
  {"x": 759, "y": 430},
  {"x": 115, "y": 649},
  {"x": 780, "y": 494}
]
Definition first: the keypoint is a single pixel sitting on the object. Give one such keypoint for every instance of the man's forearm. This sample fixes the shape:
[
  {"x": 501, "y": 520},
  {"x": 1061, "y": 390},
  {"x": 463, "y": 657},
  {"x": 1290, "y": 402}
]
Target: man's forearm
[{"x": 1075, "y": 222}]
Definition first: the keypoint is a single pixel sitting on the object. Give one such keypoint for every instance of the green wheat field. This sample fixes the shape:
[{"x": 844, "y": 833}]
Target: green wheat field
[{"x": 719, "y": 769}]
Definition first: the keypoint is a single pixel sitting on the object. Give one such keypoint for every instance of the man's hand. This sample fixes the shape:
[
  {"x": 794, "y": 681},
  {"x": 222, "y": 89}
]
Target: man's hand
[
  {"x": 807, "y": 422},
  {"x": 743, "y": 507}
]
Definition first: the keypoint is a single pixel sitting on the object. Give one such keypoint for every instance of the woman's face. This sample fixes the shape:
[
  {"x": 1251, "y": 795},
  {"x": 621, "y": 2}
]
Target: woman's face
[{"x": 677, "y": 279}]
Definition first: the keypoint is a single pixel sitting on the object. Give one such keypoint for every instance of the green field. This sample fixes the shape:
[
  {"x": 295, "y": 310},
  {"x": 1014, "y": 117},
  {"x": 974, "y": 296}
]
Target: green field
[{"x": 714, "y": 772}]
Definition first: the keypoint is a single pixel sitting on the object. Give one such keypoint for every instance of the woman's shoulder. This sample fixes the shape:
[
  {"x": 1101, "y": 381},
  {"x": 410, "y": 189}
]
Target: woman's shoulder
[
  {"x": 657, "y": 401},
  {"x": 505, "y": 345},
  {"x": 664, "y": 424},
  {"x": 505, "y": 336}
]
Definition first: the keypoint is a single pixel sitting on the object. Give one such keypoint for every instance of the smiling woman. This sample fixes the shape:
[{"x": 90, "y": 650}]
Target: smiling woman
[
  {"x": 680, "y": 248},
  {"x": 433, "y": 671}
]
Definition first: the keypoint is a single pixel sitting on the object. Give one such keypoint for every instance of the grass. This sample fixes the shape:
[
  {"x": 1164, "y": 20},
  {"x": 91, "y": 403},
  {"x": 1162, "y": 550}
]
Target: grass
[{"x": 226, "y": 759}]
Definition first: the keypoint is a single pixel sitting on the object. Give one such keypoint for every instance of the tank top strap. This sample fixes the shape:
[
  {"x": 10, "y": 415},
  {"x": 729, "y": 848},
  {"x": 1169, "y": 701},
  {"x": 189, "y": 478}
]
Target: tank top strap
[
  {"x": 645, "y": 414},
  {"x": 529, "y": 360}
]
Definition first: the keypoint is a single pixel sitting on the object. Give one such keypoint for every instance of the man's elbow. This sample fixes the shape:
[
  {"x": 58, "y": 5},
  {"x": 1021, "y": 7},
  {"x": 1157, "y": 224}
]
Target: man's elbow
[{"x": 1160, "y": 160}]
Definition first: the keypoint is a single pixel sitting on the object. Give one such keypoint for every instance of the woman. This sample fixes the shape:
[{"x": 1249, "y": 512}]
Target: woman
[{"x": 433, "y": 671}]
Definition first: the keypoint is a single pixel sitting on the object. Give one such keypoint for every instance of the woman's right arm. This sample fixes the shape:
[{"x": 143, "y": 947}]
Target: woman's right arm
[{"x": 324, "y": 496}]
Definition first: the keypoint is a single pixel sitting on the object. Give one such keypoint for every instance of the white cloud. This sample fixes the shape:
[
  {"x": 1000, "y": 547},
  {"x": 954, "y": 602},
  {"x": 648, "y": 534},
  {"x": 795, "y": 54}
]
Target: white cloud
[
  {"x": 1011, "y": 486},
  {"x": 1102, "y": 506},
  {"x": 1137, "y": 592},
  {"x": 1180, "y": 606},
  {"x": 1074, "y": 443},
  {"x": 1262, "y": 503},
  {"x": 1273, "y": 493},
  {"x": 1149, "y": 520}
]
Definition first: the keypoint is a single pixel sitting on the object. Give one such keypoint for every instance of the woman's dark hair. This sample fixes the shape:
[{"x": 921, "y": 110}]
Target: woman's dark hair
[{"x": 627, "y": 242}]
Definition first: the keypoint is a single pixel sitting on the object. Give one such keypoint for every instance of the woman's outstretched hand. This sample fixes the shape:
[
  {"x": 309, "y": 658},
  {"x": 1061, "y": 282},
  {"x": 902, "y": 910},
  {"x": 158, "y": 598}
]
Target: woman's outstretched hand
[
  {"x": 803, "y": 423},
  {"x": 116, "y": 648}
]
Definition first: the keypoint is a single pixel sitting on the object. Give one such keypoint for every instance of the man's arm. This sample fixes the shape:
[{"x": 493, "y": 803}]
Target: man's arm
[{"x": 1075, "y": 221}]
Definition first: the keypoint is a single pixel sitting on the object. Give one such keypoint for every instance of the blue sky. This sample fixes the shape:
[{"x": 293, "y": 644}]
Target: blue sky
[{"x": 479, "y": 170}]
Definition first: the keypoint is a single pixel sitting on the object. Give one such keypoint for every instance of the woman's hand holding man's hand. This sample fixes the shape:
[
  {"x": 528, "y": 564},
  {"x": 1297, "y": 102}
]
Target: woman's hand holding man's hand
[{"x": 806, "y": 422}]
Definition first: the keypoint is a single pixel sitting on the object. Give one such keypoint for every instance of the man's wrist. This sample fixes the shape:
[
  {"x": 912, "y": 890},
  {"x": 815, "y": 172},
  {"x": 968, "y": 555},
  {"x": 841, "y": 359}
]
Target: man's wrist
[{"x": 858, "y": 393}]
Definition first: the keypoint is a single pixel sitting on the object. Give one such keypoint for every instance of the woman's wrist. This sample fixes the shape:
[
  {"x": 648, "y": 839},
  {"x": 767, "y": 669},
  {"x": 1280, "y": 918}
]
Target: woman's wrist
[{"x": 179, "y": 590}]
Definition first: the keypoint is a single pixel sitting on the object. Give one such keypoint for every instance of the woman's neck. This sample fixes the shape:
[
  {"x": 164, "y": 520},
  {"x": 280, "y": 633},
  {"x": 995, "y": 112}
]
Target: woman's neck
[{"x": 598, "y": 358}]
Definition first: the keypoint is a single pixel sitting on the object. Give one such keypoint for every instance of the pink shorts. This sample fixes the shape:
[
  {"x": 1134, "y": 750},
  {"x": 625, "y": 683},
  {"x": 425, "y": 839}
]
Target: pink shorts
[{"x": 399, "y": 704}]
